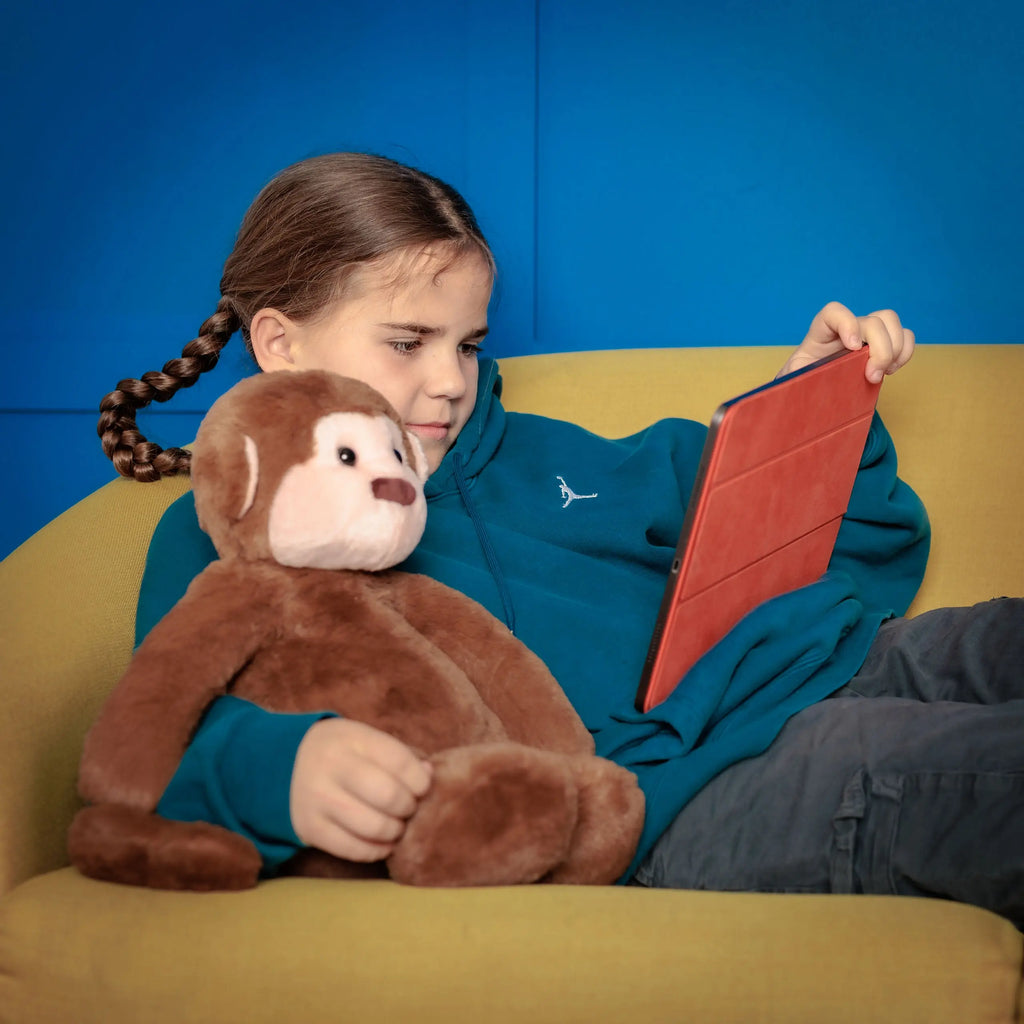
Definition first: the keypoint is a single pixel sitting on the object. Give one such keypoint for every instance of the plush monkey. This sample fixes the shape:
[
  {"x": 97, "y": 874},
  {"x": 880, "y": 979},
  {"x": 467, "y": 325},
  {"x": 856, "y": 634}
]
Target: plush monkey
[{"x": 311, "y": 489}]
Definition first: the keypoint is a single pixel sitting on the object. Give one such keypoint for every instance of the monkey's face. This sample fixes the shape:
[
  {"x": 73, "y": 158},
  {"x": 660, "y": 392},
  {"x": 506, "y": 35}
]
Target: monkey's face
[{"x": 355, "y": 503}]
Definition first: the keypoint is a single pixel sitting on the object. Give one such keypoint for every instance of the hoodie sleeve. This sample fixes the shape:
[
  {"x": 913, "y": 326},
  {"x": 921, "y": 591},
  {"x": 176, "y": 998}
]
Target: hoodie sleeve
[
  {"x": 884, "y": 538},
  {"x": 237, "y": 773}
]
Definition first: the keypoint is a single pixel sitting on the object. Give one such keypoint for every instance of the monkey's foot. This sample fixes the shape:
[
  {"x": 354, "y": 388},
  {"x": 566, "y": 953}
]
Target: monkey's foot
[
  {"x": 121, "y": 844},
  {"x": 611, "y": 817},
  {"x": 496, "y": 814}
]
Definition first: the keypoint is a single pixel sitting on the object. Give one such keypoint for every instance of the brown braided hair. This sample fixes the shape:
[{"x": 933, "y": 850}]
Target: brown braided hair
[{"x": 299, "y": 244}]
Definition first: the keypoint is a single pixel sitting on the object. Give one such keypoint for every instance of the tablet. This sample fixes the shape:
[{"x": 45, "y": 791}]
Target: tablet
[{"x": 774, "y": 480}]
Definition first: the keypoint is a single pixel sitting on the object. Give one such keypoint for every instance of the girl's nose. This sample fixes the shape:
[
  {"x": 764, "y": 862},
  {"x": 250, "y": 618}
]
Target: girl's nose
[{"x": 446, "y": 376}]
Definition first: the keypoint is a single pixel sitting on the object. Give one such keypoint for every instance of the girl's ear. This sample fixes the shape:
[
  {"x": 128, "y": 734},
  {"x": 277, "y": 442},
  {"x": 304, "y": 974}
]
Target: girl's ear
[{"x": 271, "y": 334}]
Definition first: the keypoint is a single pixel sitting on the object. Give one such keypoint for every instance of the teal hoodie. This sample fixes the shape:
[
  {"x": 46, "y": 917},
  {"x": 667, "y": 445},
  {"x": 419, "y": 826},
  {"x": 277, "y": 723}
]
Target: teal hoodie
[{"x": 568, "y": 538}]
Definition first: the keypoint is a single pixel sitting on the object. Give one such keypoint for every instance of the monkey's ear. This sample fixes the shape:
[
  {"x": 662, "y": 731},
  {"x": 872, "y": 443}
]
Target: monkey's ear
[
  {"x": 419, "y": 458},
  {"x": 252, "y": 461}
]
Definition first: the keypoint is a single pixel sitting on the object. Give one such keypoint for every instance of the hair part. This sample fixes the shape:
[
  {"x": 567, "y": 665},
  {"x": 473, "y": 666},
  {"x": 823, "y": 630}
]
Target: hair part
[{"x": 298, "y": 250}]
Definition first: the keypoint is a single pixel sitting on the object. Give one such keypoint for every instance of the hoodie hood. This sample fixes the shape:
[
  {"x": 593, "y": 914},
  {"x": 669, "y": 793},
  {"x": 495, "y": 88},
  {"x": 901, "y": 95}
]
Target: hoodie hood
[{"x": 479, "y": 439}]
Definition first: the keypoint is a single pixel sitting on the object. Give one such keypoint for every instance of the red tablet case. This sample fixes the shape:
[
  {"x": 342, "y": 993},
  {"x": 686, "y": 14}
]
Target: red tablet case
[{"x": 774, "y": 482}]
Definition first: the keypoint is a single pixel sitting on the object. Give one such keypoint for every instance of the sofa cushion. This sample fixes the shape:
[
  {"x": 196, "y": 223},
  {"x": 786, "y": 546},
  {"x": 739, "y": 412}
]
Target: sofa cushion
[{"x": 72, "y": 949}]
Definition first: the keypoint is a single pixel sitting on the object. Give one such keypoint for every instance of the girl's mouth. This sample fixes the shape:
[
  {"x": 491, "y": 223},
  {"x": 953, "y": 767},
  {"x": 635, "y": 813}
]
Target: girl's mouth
[{"x": 429, "y": 431}]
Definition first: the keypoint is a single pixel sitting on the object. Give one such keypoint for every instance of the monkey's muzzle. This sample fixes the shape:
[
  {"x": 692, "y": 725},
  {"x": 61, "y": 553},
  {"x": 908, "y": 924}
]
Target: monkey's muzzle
[{"x": 393, "y": 489}]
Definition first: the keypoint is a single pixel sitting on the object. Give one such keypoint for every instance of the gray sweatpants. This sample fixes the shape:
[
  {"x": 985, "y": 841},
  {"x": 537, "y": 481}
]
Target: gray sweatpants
[{"x": 910, "y": 779}]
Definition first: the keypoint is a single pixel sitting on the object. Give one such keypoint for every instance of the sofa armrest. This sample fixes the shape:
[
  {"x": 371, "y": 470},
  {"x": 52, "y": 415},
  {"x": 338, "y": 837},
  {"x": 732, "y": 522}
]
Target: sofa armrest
[{"x": 66, "y": 629}]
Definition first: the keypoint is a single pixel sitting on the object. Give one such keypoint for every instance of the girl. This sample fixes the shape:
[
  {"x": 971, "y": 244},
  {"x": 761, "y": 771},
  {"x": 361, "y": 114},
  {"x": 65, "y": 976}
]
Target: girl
[{"x": 358, "y": 264}]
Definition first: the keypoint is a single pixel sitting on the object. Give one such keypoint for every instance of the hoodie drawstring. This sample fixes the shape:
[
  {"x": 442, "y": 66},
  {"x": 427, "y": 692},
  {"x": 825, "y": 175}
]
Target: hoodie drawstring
[{"x": 485, "y": 543}]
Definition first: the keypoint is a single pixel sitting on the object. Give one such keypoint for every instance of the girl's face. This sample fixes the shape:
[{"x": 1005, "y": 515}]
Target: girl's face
[{"x": 416, "y": 341}]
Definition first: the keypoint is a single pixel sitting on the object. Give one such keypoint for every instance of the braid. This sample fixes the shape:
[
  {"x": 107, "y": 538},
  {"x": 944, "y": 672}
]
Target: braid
[{"x": 134, "y": 456}]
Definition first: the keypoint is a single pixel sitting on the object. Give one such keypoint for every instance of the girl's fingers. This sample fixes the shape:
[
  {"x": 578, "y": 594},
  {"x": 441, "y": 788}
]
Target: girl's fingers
[
  {"x": 353, "y": 787},
  {"x": 834, "y": 323},
  {"x": 891, "y": 344},
  {"x": 340, "y": 841},
  {"x": 836, "y": 327},
  {"x": 880, "y": 344},
  {"x": 366, "y": 783},
  {"x": 394, "y": 758}
]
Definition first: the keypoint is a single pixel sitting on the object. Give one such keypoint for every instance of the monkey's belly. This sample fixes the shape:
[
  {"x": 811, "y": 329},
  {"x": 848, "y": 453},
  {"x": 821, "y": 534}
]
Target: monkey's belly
[{"x": 404, "y": 686}]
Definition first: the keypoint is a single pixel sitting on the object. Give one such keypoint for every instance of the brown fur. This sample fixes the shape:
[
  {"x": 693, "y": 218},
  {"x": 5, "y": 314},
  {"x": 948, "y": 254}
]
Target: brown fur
[{"x": 517, "y": 793}]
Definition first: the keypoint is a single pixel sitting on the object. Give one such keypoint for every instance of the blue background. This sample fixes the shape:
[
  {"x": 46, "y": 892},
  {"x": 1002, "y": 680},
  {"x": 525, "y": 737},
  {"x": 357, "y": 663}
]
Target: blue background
[{"x": 648, "y": 173}]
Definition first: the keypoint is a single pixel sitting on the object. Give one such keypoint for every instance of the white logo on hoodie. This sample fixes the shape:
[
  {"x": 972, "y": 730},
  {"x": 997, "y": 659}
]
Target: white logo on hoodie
[{"x": 570, "y": 495}]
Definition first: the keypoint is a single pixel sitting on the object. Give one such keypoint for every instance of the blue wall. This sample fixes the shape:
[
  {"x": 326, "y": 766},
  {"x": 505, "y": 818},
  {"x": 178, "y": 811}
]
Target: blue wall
[{"x": 650, "y": 173}]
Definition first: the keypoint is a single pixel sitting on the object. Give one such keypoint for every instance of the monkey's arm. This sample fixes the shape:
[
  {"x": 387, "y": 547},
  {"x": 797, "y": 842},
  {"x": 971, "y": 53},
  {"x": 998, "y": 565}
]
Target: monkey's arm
[
  {"x": 188, "y": 659},
  {"x": 513, "y": 682}
]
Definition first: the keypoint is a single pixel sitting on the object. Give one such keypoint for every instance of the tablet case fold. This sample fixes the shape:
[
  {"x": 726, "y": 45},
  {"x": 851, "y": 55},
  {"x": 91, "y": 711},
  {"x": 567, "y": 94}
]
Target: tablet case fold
[{"x": 774, "y": 482}]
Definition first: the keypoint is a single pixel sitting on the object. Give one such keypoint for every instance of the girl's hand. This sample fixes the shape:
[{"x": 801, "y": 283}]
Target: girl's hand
[
  {"x": 353, "y": 788},
  {"x": 836, "y": 328}
]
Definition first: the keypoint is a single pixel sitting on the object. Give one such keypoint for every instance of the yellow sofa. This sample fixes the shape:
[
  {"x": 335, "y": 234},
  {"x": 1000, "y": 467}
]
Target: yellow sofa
[{"x": 78, "y": 951}]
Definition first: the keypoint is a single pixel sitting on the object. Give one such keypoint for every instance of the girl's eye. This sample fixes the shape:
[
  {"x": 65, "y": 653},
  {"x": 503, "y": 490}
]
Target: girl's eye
[
  {"x": 398, "y": 455},
  {"x": 406, "y": 348},
  {"x": 346, "y": 456},
  {"x": 469, "y": 348}
]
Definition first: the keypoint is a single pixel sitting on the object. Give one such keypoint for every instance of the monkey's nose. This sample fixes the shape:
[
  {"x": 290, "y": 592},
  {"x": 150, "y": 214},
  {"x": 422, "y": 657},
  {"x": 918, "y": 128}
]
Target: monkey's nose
[{"x": 389, "y": 488}]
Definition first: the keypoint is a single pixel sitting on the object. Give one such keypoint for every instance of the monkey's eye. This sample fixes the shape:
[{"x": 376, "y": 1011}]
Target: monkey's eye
[
  {"x": 398, "y": 455},
  {"x": 346, "y": 456}
]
